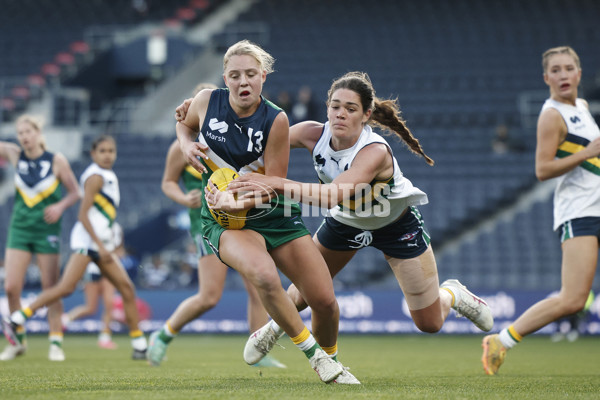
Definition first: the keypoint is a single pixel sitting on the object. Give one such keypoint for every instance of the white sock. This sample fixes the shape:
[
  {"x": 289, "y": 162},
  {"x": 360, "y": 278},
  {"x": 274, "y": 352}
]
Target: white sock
[
  {"x": 104, "y": 337},
  {"x": 139, "y": 343},
  {"x": 277, "y": 329},
  {"x": 18, "y": 318},
  {"x": 507, "y": 341},
  {"x": 55, "y": 338},
  {"x": 454, "y": 293}
]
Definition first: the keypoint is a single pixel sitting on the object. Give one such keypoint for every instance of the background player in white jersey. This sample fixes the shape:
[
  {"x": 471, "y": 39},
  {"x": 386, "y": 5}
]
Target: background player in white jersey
[
  {"x": 348, "y": 156},
  {"x": 98, "y": 287},
  {"x": 92, "y": 240},
  {"x": 568, "y": 148},
  {"x": 35, "y": 224},
  {"x": 212, "y": 273}
]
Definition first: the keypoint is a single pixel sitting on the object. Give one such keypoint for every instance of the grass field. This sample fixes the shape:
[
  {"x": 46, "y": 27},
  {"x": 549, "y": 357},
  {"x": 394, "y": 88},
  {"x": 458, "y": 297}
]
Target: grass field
[{"x": 390, "y": 367}]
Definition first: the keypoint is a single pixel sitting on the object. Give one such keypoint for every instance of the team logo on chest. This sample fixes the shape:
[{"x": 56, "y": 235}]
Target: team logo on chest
[{"x": 217, "y": 129}]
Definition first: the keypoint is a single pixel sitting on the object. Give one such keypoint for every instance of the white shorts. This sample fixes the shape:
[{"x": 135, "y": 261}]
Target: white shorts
[{"x": 81, "y": 240}]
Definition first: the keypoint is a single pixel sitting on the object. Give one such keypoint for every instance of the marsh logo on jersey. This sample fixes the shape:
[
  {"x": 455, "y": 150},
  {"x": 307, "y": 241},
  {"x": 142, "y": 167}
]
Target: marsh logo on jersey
[
  {"x": 575, "y": 119},
  {"x": 216, "y": 125}
]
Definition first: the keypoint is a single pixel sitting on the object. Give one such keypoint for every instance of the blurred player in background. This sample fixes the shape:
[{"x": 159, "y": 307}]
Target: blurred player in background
[
  {"x": 35, "y": 225},
  {"x": 568, "y": 146},
  {"x": 97, "y": 287},
  {"x": 211, "y": 271},
  {"x": 241, "y": 130},
  {"x": 351, "y": 160},
  {"x": 92, "y": 240}
]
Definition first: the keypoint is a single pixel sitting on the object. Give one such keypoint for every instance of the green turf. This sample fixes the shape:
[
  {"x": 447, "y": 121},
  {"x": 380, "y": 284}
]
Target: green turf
[{"x": 390, "y": 367}]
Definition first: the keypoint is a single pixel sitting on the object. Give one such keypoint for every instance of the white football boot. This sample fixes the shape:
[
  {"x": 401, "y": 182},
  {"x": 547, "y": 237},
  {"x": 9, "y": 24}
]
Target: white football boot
[
  {"x": 346, "y": 378},
  {"x": 325, "y": 366},
  {"x": 11, "y": 352},
  {"x": 469, "y": 305},
  {"x": 56, "y": 353},
  {"x": 260, "y": 343}
]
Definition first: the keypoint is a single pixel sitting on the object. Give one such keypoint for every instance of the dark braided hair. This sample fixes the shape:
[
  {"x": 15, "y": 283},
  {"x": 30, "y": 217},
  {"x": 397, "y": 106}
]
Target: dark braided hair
[{"x": 386, "y": 113}]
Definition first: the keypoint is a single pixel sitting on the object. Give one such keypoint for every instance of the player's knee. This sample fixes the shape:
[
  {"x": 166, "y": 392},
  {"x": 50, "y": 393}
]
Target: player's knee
[
  {"x": 127, "y": 290},
  {"x": 209, "y": 299},
  {"x": 266, "y": 279},
  {"x": 67, "y": 288},
  {"x": 573, "y": 305},
  {"x": 429, "y": 326},
  {"x": 325, "y": 305},
  {"x": 11, "y": 290}
]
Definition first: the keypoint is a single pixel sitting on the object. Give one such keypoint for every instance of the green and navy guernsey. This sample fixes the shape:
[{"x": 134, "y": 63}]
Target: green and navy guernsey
[
  {"x": 239, "y": 144},
  {"x": 381, "y": 202},
  {"x": 577, "y": 192},
  {"x": 36, "y": 188}
]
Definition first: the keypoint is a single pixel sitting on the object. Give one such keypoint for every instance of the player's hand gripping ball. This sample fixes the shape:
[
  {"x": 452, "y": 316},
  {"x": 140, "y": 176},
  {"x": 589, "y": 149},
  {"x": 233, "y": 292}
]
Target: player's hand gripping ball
[{"x": 228, "y": 220}]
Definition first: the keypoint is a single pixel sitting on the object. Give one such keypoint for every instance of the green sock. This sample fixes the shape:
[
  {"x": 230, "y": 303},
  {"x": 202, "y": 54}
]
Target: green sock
[
  {"x": 306, "y": 342},
  {"x": 21, "y": 335},
  {"x": 164, "y": 336}
]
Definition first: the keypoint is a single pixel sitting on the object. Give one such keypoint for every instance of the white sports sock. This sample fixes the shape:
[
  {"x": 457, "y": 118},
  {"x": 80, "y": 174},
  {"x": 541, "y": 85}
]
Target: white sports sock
[
  {"x": 507, "y": 341},
  {"x": 104, "y": 337},
  {"x": 18, "y": 318},
  {"x": 139, "y": 343},
  {"x": 276, "y": 328}
]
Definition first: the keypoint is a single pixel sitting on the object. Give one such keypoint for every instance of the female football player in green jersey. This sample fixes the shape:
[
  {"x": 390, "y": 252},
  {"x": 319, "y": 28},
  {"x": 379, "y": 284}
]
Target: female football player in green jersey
[
  {"x": 35, "y": 224},
  {"x": 241, "y": 130},
  {"x": 211, "y": 271}
]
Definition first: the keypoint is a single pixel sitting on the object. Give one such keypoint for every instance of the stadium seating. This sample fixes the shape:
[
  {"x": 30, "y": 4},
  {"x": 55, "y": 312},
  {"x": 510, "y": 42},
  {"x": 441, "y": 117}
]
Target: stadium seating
[
  {"x": 52, "y": 40},
  {"x": 457, "y": 68}
]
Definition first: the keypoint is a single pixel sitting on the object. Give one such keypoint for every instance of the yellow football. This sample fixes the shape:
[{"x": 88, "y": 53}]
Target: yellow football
[{"x": 228, "y": 220}]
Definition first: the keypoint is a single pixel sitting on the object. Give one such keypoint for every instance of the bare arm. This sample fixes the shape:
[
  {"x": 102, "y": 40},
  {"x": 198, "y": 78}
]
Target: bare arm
[
  {"x": 305, "y": 134},
  {"x": 188, "y": 128},
  {"x": 551, "y": 132},
  {"x": 182, "y": 110},
  {"x": 174, "y": 166},
  {"x": 10, "y": 151},
  {"x": 62, "y": 170},
  {"x": 372, "y": 162}
]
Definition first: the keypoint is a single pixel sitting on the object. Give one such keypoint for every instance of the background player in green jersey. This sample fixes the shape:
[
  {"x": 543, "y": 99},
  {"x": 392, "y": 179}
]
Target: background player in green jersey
[{"x": 35, "y": 224}]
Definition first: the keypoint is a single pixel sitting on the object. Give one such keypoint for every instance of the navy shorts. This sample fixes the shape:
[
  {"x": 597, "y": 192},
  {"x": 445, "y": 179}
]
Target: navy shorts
[
  {"x": 586, "y": 226},
  {"x": 404, "y": 238}
]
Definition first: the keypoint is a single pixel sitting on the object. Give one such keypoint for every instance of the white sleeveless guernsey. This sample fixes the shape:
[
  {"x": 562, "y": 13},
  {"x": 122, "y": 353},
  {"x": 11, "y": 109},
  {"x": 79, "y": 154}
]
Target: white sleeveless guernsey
[
  {"x": 101, "y": 214},
  {"x": 577, "y": 193},
  {"x": 392, "y": 196}
]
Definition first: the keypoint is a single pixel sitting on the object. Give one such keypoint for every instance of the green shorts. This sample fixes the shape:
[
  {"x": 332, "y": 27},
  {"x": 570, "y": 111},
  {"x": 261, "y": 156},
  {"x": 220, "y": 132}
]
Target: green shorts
[
  {"x": 277, "y": 228},
  {"x": 33, "y": 241},
  {"x": 202, "y": 248}
]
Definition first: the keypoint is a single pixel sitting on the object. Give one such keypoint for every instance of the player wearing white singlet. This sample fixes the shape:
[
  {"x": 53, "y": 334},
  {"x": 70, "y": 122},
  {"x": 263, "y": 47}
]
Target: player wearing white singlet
[
  {"x": 568, "y": 148},
  {"x": 370, "y": 202},
  {"x": 577, "y": 193},
  {"x": 92, "y": 240}
]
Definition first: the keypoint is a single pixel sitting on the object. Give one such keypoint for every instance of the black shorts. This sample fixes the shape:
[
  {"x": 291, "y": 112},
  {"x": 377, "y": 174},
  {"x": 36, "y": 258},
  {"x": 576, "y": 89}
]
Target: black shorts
[
  {"x": 586, "y": 226},
  {"x": 404, "y": 238}
]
